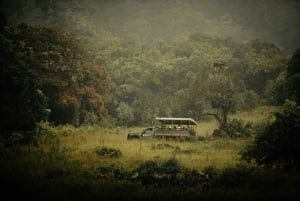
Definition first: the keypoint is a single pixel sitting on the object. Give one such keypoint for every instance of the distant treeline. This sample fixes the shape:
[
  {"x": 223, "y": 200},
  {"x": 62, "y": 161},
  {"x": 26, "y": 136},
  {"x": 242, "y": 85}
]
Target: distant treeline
[{"x": 88, "y": 73}]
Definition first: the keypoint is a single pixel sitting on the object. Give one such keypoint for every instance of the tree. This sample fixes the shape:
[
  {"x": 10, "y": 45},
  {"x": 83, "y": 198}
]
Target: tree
[
  {"x": 222, "y": 100},
  {"x": 69, "y": 78},
  {"x": 22, "y": 102},
  {"x": 293, "y": 76},
  {"x": 125, "y": 113},
  {"x": 216, "y": 95},
  {"x": 259, "y": 62},
  {"x": 277, "y": 143},
  {"x": 47, "y": 73}
]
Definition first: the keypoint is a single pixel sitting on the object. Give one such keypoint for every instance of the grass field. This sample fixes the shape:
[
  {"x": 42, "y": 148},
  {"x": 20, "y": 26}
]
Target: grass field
[
  {"x": 217, "y": 152},
  {"x": 68, "y": 167},
  {"x": 192, "y": 154}
]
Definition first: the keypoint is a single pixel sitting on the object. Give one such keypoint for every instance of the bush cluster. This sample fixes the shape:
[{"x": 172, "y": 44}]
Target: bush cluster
[
  {"x": 277, "y": 144},
  {"x": 45, "y": 128},
  {"x": 107, "y": 152},
  {"x": 168, "y": 172},
  {"x": 235, "y": 128}
]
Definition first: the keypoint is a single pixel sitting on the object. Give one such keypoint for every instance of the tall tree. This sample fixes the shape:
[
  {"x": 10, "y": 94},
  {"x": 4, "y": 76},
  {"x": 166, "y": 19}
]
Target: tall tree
[
  {"x": 22, "y": 101},
  {"x": 293, "y": 76},
  {"x": 277, "y": 143},
  {"x": 60, "y": 68}
]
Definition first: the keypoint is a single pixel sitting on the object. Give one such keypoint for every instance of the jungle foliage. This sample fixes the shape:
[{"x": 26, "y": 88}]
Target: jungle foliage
[
  {"x": 293, "y": 77},
  {"x": 64, "y": 171},
  {"x": 66, "y": 65},
  {"x": 48, "y": 74},
  {"x": 277, "y": 142},
  {"x": 168, "y": 73}
]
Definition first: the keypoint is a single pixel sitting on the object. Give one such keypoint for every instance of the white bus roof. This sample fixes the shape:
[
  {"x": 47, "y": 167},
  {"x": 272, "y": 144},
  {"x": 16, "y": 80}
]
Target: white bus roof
[{"x": 176, "y": 120}]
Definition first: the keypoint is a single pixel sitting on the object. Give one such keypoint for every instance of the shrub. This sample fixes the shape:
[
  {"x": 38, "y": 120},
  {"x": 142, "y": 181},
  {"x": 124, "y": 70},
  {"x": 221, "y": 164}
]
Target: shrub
[
  {"x": 45, "y": 128},
  {"x": 110, "y": 171},
  {"x": 234, "y": 177},
  {"x": 210, "y": 171},
  {"x": 240, "y": 128},
  {"x": 17, "y": 138},
  {"x": 278, "y": 142},
  {"x": 234, "y": 129},
  {"x": 168, "y": 172},
  {"x": 170, "y": 166},
  {"x": 108, "y": 152}
]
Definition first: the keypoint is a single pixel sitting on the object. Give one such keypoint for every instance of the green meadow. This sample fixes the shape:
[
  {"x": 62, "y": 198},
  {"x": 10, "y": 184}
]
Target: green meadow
[{"x": 93, "y": 163}]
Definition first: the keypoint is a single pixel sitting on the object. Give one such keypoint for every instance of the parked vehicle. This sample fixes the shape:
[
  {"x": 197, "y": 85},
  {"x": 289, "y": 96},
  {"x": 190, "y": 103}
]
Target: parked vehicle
[
  {"x": 169, "y": 127},
  {"x": 146, "y": 133}
]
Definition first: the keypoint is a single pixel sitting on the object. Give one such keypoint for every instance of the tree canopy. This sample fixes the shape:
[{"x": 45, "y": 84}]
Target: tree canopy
[
  {"x": 46, "y": 73},
  {"x": 293, "y": 77},
  {"x": 157, "y": 63},
  {"x": 277, "y": 143}
]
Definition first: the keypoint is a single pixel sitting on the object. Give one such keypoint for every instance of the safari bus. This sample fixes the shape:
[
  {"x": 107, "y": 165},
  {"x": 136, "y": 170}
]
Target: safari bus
[
  {"x": 168, "y": 128},
  {"x": 174, "y": 127}
]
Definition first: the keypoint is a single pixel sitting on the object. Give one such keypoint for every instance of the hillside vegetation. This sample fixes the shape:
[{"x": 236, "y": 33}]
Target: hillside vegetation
[
  {"x": 97, "y": 72},
  {"x": 77, "y": 76}
]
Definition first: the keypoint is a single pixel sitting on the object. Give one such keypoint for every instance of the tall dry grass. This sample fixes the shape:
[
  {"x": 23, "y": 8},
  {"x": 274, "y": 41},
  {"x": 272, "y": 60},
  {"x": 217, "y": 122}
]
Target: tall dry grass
[
  {"x": 216, "y": 152},
  {"x": 67, "y": 164}
]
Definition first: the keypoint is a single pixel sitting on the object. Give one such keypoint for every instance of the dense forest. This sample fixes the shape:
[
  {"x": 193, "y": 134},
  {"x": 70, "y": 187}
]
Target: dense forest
[
  {"x": 86, "y": 62},
  {"x": 73, "y": 73}
]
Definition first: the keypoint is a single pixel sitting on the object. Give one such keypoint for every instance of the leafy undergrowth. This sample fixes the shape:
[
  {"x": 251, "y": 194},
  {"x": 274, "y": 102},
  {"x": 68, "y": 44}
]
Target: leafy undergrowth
[
  {"x": 72, "y": 165},
  {"x": 82, "y": 186},
  {"x": 60, "y": 178},
  {"x": 108, "y": 152}
]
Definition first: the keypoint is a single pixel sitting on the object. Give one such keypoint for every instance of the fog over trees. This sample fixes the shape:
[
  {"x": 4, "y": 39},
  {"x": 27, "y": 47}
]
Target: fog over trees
[
  {"x": 79, "y": 78},
  {"x": 155, "y": 58},
  {"x": 274, "y": 21}
]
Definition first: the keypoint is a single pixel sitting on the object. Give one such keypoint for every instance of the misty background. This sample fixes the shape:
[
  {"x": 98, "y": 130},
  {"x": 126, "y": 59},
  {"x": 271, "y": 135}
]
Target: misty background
[
  {"x": 275, "y": 21},
  {"x": 77, "y": 76},
  {"x": 162, "y": 57}
]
